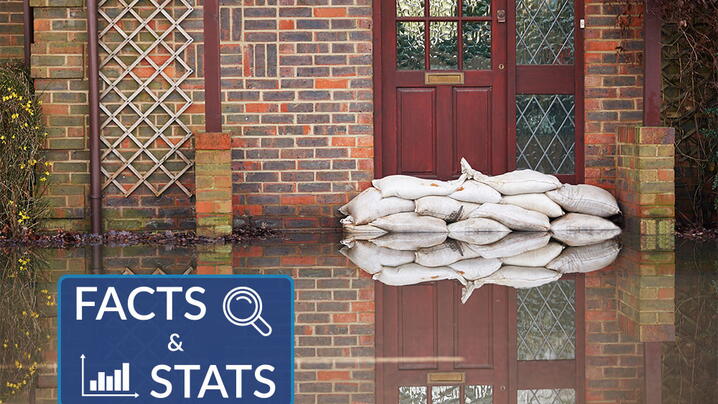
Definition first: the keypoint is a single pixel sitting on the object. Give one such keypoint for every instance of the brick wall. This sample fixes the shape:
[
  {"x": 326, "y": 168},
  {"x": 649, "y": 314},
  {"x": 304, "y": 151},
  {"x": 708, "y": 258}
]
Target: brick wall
[
  {"x": 298, "y": 101},
  {"x": 11, "y": 31},
  {"x": 614, "y": 361},
  {"x": 613, "y": 83}
]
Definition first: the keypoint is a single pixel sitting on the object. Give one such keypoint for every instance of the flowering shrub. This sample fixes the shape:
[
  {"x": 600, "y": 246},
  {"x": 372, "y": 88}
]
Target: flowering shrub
[
  {"x": 24, "y": 307},
  {"x": 23, "y": 171}
]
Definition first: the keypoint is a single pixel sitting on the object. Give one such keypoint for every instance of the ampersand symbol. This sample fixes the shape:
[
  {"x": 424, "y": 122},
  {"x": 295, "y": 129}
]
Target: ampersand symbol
[{"x": 175, "y": 344}]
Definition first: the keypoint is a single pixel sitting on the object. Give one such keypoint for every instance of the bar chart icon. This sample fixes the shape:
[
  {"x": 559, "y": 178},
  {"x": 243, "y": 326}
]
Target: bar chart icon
[{"x": 113, "y": 383}]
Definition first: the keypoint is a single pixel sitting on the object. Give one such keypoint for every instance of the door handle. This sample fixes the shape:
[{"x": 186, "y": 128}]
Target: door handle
[{"x": 501, "y": 16}]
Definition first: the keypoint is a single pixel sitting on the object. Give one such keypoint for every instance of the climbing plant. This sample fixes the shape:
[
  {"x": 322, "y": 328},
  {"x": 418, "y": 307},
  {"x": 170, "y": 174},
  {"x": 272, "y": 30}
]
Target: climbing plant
[{"x": 23, "y": 170}]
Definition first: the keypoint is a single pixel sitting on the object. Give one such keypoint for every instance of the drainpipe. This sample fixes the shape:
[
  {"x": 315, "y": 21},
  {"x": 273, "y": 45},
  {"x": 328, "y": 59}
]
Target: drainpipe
[
  {"x": 28, "y": 36},
  {"x": 93, "y": 73}
]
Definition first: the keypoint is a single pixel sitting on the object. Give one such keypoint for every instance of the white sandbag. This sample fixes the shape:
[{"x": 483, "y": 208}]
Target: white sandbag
[
  {"x": 370, "y": 205},
  {"x": 410, "y": 222},
  {"x": 514, "y": 182},
  {"x": 408, "y": 187},
  {"x": 477, "y": 224},
  {"x": 443, "y": 254},
  {"x": 441, "y": 207},
  {"x": 476, "y": 192},
  {"x": 521, "y": 277},
  {"x": 467, "y": 208},
  {"x": 535, "y": 258},
  {"x": 536, "y": 202},
  {"x": 587, "y": 258},
  {"x": 468, "y": 290},
  {"x": 514, "y": 217},
  {"x": 409, "y": 241},
  {"x": 372, "y": 258},
  {"x": 362, "y": 229},
  {"x": 584, "y": 198},
  {"x": 578, "y": 238},
  {"x": 411, "y": 274},
  {"x": 478, "y": 237},
  {"x": 475, "y": 268},
  {"x": 511, "y": 245},
  {"x": 581, "y": 222}
]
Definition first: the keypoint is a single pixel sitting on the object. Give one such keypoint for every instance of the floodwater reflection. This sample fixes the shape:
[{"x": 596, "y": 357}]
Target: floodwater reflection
[{"x": 586, "y": 318}]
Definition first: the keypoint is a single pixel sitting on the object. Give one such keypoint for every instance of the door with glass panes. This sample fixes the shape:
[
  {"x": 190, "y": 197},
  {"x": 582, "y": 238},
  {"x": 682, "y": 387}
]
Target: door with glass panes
[
  {"x": 494, "y": 81},
  {"x": 443, "y": 86}
]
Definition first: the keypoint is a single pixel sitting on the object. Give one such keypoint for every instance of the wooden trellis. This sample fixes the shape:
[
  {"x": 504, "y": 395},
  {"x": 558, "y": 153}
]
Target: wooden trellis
[{"x": 142, "y": 70}]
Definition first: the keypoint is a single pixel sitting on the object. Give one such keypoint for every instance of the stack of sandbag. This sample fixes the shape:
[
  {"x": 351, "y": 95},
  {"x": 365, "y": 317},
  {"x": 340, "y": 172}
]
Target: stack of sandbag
[
  {"x": 518, "y": 259},
  {"x": 523, "y": 200}
]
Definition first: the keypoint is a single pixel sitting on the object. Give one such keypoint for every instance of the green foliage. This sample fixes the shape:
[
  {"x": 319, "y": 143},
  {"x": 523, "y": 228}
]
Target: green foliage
[{"x": 23, "y": 169}]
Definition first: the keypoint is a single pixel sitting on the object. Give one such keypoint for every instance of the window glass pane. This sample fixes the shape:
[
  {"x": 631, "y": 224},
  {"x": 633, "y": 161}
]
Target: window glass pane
[
  {"x": 476, "y": 8},
  {"x": 477, "y": 45},
  {"x": 410, "y": 45},
  {"x": 444, "y": 47},
  {"x": 442, "y": 8},
  {"x": 410, "y": 8},
  {"x": 554, "y": 396},
  {"x": 445, "y": 395},
  {"x": 544, "y": 32},
  {"x": 545, "y": 133},
  {"x": 478, "y": 395},
  {"x": 546, "y": 322},
  {"x": 412, "y": 395}
]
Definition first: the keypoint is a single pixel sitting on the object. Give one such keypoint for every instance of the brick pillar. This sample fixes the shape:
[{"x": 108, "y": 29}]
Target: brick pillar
[
  {"x": 645, "y": 178},
  {"x": 213, "y": 177},
  {"x": 645, "y": 289},
  {"x": 214, "y": 259}
]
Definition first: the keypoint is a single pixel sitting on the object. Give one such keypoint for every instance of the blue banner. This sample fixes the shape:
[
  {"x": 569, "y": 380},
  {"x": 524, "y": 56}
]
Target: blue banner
[{"x": 171, "y": 339}]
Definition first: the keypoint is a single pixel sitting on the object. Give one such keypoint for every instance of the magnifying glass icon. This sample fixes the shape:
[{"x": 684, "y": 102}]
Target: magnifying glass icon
[{"x": 244, "y": 293}]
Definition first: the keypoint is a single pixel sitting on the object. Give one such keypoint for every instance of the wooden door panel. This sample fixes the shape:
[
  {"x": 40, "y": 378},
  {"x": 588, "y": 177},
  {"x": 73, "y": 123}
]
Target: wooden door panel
[
  {"x": 416, "y": 112},
  {"x": 473, "y": 330},
  {"x": 418, "y": 325},
  {"x": 472, "y": 128}
]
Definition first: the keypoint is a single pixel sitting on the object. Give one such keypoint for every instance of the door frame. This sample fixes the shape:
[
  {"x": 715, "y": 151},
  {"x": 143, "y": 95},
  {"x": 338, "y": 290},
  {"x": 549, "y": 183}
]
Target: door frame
[{"x": 511, "y": 89}]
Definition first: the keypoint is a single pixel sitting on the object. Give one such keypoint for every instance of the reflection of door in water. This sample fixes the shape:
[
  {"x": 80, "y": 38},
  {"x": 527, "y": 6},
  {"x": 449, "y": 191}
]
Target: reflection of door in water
[
  {"x": 425, "y": 328},
  {"x": 516, "y": 346},
  {"x": 444, "y": 86}
]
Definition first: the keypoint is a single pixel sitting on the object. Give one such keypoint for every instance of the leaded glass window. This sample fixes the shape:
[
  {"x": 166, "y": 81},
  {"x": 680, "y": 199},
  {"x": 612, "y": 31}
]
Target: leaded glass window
[
  {"x": 546, "y": 321},
  {"x": 546, "y": 133},
  {"x": 544, "y": 32}
]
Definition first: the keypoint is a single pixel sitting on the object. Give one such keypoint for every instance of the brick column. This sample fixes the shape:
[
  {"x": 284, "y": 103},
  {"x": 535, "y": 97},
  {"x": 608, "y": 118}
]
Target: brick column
[
  {"x": 213, "y": 177},
  {"x": 214, "y": 259},
  {"x": 645, "y": 289},
  {"x": 645, "y": 178}
]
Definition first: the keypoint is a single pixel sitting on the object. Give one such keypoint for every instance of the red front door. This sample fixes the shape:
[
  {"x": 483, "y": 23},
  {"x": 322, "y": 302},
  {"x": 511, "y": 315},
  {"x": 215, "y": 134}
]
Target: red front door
[
  {"x": 433, "y": 346},
  {"x": 444, "y": 78}
]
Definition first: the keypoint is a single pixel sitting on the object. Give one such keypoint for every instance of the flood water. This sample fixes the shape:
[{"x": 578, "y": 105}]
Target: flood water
[{"x": 642, "y": 329}]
